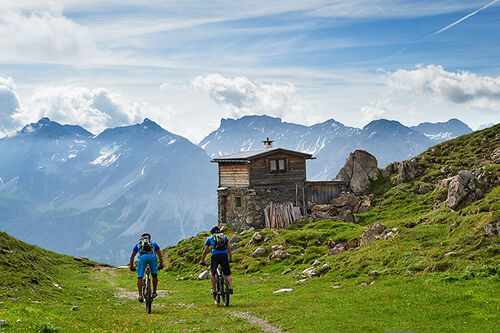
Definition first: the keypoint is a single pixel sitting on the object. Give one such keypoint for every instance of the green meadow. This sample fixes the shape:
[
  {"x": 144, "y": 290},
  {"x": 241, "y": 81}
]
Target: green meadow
[{"x": 440, "y": 273}]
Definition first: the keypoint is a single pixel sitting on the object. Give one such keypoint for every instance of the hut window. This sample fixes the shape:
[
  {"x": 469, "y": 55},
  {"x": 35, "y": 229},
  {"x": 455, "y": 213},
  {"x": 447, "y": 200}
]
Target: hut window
[
  {"x": 277, "y": 165},
  {"x": 238, "y": 201},
  {"x": 281, "y": 164},
  {"x": 273, "y": 166}
]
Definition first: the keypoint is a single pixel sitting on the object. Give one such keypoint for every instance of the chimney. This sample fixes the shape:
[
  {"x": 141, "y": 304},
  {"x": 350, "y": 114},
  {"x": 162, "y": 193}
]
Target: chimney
[{"x": 268, "y": 143}]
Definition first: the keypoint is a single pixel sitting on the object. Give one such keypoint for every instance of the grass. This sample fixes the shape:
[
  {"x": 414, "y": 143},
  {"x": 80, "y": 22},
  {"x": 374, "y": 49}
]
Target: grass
[
  {"x": 433, "y": 303},
  {"x": 400, "y": 284},
  {"x": 415, "y": 288}
]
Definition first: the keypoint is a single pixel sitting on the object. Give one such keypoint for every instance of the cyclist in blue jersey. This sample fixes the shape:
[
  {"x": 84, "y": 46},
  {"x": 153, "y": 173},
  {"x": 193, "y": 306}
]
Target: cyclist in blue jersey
[
  {"x": 149, "y": 253},
  {"x": 221, "y": 255}
]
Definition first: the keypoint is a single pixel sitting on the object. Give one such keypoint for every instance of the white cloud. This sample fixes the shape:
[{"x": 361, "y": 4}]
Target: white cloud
[
  {"x": 240, "y": 96},
  {"x": 44, "y": 36},
  {"x": 437, "y": 83},
  {"x": 93, "y": 109},
  {"x": 431, "y": 92},
  {"x": 9, "y": 104},
  {"x": 376, "y": 110}
]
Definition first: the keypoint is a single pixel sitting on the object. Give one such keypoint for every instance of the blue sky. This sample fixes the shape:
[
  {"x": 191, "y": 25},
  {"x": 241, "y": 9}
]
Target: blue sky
[{"x": 186, "y": 64}]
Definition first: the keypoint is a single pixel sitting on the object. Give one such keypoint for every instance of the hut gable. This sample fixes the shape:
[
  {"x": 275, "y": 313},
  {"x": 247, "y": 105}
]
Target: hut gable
[
  {"x": 262, "y": 167},
  {"x": 279, "y": 168}
]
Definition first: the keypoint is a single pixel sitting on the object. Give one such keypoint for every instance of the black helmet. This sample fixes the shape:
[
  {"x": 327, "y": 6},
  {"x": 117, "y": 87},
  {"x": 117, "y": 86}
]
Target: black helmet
[
  {"x": 146, "y": 235},
  {"x": 215, "y": 230}
]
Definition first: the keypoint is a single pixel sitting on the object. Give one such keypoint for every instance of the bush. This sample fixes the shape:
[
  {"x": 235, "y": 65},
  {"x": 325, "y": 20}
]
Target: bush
[{"x": 46, "y": 328}]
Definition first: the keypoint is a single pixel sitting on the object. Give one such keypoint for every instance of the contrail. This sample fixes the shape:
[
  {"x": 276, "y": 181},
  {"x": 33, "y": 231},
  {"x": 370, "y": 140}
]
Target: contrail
[{"x": 450, "y": 25}]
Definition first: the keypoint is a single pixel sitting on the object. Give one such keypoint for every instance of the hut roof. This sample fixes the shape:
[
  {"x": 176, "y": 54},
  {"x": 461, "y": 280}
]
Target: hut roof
[{"x": 249, "y": 155}]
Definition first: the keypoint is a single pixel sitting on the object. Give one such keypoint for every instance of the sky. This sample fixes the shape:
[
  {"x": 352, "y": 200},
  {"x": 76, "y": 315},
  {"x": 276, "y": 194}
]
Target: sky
[{"x": 187, "y": 64}]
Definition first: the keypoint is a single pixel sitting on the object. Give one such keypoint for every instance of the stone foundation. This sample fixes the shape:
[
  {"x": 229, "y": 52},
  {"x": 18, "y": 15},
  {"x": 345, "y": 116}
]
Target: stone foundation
[{"x": 251, "y": 204}]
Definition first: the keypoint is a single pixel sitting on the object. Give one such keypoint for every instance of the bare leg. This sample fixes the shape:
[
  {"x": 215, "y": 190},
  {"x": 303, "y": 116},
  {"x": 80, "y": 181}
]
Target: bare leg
[
  {"x": 155, "y": 283},
  {"x": 139, "y": 285},
  {"x": 212, "y": 278},
  {"x": 230, "y": 281}
]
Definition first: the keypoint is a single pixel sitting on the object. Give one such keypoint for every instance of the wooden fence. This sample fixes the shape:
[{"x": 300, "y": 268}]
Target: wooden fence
[{"x": 281, "y": 215}]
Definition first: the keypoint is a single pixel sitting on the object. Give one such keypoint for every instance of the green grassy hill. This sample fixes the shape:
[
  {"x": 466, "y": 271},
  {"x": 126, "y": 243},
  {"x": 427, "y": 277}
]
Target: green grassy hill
[
  {"x": 439, "y": 273},
  {"x": 427, "y": 228}
]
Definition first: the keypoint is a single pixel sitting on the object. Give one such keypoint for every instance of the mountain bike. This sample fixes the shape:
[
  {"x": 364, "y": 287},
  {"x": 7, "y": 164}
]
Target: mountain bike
[
  {"x": 146, "y": 290},
  {"x": 222, "y": 287}
]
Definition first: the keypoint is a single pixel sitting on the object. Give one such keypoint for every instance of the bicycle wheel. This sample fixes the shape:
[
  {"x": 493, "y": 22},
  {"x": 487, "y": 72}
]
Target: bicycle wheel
[
  {"x": 148, "y": 298},
  {"x": 219, "y": 287},
  {"x": 225, "y": 291}
]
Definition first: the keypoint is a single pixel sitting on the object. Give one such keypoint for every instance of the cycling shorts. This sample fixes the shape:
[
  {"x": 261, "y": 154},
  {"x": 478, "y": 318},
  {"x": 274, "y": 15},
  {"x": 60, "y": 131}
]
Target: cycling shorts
[
  {"x": 222, "y": 260},
  {"x": 147, "y": 259}
]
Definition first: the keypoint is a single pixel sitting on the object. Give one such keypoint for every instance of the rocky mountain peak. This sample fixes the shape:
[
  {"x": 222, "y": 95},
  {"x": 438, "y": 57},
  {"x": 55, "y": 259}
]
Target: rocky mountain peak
[
  {"x": 443, "y": 131},
  {"x": 385, "y": 125},
  {"x": 147, "y": 130},
  {"x": 51, "y": 129}
]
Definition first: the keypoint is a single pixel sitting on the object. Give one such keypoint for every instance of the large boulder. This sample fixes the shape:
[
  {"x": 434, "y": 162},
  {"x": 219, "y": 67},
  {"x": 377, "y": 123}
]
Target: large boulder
[
  {"x": 462, "y": 190},
  {"x": 390, "y": 169},
  {"x": 204, "y": 275},
  {"x": 257, "y": 237},
  {"x": 407, "y": 171},
  {"x": 364, "y": 204},
  {"x": 373, "y": 233},
  {"x": 234, "y": 239},
  {"x": 493, "y": 229},
  {"x": 348, "y": 200},
  {"x": 258, "y": 252},
  {"x": 444, "y": 183},
  {"x": 360, "y": 168},
  {"x": 320, "y": 209},
  {"x": 347, "y": 216},
  {"x": 495, "y": 156},
  {"x": 339, "y": 248}
]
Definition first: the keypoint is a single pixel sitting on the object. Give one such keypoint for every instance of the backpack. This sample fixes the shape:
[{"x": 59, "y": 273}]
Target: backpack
[
  {"x": 145, "y": 245},
  {"x": 220, "y": 241}
]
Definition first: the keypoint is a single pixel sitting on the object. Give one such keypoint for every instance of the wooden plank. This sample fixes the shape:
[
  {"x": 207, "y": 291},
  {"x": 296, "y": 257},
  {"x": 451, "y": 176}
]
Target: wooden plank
[{"x": 234, "y": 175}]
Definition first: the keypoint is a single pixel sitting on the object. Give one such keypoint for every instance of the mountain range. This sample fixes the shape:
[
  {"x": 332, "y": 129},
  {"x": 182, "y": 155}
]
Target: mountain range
[
  {"x": 65, "y": 189},
  {"x": 331, "y": 141},
  {"x": 70, "y": 191}
]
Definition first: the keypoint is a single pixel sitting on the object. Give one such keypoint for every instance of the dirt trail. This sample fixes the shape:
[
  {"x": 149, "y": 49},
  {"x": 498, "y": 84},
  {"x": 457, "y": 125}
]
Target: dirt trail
[
  {"x": 123, "y": 293},
  {"x": 254, "y": 320},
  {"x": 264, "y": 325}
]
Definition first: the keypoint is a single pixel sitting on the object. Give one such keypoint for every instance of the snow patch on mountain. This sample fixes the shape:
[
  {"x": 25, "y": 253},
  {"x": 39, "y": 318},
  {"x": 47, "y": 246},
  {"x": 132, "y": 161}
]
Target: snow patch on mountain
[
  {"x": 443, "y": 136},
  {"x": 106, "y": 156}
]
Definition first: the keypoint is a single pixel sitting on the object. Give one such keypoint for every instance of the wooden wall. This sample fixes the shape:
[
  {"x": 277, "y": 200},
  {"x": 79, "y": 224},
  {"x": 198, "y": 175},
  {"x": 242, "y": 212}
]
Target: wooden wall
[
  {"x": 234, "y": 174},
  {"x": 295, "y": 173},
  {"x": 323, "y": 193}
]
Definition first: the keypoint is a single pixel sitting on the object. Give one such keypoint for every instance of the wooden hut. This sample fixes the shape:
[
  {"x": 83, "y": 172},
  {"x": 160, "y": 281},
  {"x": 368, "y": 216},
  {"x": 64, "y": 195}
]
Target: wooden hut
[{"x": 249, "y": 181}]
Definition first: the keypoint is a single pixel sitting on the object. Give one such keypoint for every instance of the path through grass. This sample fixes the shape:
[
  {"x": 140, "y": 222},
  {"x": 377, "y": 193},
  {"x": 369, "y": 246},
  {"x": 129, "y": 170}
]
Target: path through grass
[{"x": 106, "y": 303}]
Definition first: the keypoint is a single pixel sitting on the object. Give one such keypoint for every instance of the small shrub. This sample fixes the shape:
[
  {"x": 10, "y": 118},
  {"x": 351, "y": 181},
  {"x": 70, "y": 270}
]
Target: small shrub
[
  {"x": 321, "y": 250},
  {"x": 308, "y": 258},
  {"x": 493, "y": 250},
  {"x": 46, "y": 328},
  {"x": 441, "y": 266},
  {"x": 298, "y": 260},
  {"x": 313, "y": 242}
]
